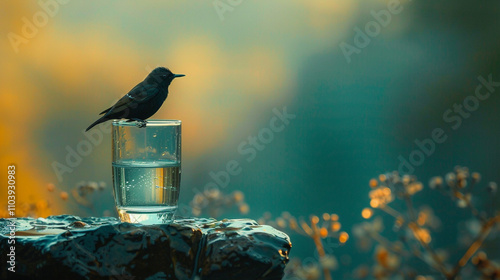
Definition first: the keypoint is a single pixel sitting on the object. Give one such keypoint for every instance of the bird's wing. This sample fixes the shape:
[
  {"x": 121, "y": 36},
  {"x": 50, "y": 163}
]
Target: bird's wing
[
  {"x": 139, "y": 94},
  {"x": 143, "y": 92},
  {"x": 105, "y": 111}
]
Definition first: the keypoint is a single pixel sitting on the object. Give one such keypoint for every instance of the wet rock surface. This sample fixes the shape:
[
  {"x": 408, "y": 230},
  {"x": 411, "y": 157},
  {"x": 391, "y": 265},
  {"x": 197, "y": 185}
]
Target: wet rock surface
[{"x": 69, "y": 247}]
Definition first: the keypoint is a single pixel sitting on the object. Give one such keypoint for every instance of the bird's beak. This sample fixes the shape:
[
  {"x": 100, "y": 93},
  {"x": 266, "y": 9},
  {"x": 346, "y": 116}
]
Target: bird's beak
[{"x": 178, "y": 75}]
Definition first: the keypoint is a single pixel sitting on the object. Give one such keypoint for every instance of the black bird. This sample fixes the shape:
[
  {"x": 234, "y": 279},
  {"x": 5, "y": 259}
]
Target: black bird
[{"x": 143, "y": 100}]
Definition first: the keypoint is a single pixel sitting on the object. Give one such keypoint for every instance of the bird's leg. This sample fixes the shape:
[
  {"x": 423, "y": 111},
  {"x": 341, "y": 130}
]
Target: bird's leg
[{"x": 140, "y": 123}]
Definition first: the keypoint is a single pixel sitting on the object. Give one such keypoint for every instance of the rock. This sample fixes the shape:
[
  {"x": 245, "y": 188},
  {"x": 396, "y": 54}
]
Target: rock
[{"x": 69, "y": 247}]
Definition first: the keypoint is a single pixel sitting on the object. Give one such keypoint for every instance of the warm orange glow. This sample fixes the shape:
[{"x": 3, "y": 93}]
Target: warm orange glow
[
  {"x": 281, "y": 222},
  {"x": 326, "y": 216},
  {"x": 336, "y": 226},
  {"x": 238, "y": 196},
  {"x": 382, "y": 177},
  {"x": 244, "y": 208},
  {"x": 414, "y": 188},
  {"x": 382, "y": 256},
  {"x": 42, "y": 204},
  {"x": 386, "y": 191},
  {"x": 64, "y": 195},
  {"x": 380, "y": 197},
  {"x": 422, "y": 234},
  {"x": 334, "y": 217},
  {"x": 314, "y": 219},
  {"x": 343, "y": 237},
  {"x": 323, "y": 232},
  {"x": 57, "y": 81},
  {"x": 373, "y": 183},
  {"x": 367, "y": 213},
  {"x": 439, "y": 180}
]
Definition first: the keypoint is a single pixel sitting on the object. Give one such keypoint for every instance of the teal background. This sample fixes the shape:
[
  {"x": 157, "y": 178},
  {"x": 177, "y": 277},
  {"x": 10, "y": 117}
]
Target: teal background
[{"x": 353, "y": 120}]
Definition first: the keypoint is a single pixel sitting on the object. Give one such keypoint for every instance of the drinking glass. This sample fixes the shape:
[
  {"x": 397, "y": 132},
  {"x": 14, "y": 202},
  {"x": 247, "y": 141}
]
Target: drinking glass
[{"x": 146, "y": 170}]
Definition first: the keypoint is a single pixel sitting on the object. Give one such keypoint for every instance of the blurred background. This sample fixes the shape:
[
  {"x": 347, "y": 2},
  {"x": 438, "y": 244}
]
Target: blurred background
[{"x": 360, "y": 101}]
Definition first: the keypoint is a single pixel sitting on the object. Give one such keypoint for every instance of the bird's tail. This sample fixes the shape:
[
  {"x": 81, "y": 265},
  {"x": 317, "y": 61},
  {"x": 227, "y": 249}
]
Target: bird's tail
[{"x": 101, "y": 120}]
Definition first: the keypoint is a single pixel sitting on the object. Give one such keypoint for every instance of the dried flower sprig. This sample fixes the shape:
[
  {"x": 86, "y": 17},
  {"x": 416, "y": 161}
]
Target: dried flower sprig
[
  {"x": 214, "y": 202},
  {"x": 419, "y": 223},
  {"x": 317, "y": 228}
]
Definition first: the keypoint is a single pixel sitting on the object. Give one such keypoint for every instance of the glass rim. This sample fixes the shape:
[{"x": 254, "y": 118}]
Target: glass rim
[{"x": 148, "y": 123}]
